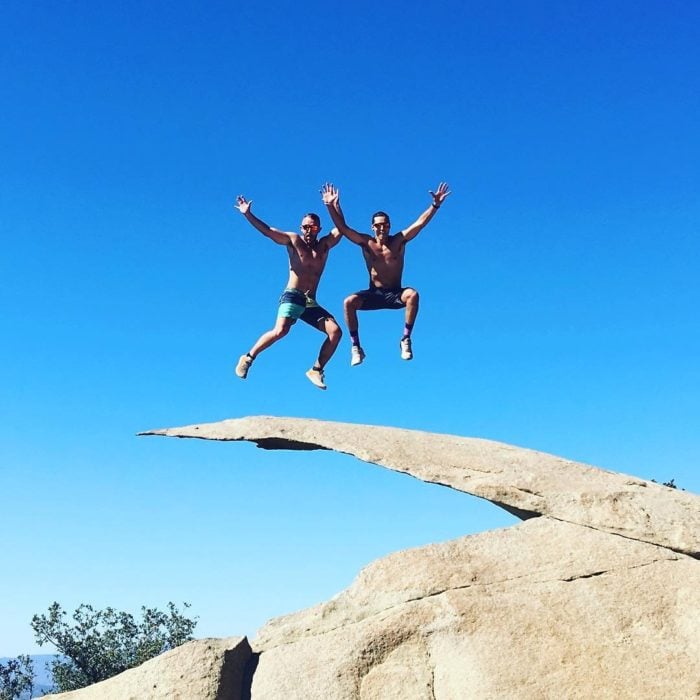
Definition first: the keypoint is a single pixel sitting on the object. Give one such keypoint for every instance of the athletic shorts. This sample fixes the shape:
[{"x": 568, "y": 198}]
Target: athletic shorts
[
  {"x": 295, "y": 304},
  {"x": 381, "y": 298}
]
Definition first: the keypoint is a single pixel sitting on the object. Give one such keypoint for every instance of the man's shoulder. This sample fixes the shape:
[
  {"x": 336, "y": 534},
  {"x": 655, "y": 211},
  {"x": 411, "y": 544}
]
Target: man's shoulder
[{"x": 327, "y": 239}]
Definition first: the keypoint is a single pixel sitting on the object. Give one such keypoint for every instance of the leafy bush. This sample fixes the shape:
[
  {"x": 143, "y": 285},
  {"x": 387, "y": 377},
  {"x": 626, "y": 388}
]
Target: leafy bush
[
  {"x": 99, "y": 644},
  {"x": 16, "y": 678}
]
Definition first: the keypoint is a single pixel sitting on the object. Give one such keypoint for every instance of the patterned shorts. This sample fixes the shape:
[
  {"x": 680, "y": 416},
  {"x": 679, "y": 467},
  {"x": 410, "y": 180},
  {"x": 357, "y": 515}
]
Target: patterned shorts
[{"x": 295, "y": 304}]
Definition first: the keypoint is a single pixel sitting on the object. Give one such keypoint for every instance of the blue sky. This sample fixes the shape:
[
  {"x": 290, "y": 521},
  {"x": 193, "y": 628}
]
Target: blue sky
[{"x": 559, "y": 282}]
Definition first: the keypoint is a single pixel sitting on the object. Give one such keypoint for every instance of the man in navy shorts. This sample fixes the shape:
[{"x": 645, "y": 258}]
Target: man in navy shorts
[
  {"x": 307, "y": 259},
  {"x": 384, "y": 258}
]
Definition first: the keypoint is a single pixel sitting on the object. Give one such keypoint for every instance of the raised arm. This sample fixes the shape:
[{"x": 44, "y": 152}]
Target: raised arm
[
  {"x": 331, "y": 198},
  {"x": 333, "y": 238},
  {"x": 243, "y": 206},
  {"x": 439, "y": 197}
]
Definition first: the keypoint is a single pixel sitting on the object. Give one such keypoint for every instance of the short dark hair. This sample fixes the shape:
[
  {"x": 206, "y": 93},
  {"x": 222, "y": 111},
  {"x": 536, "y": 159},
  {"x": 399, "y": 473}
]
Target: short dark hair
[
  {"x": 315, "y": 217},
  {"x": 380, "y": 213}
]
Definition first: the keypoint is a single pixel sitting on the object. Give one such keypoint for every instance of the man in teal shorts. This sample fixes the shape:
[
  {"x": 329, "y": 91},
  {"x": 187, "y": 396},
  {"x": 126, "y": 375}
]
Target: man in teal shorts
[{"x": 307, "y": 259}]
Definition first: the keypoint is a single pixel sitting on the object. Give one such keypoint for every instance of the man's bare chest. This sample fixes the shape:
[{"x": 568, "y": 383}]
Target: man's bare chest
[
  {"x": 383, "y": 255},
  {"x": 308, "y": 258}
]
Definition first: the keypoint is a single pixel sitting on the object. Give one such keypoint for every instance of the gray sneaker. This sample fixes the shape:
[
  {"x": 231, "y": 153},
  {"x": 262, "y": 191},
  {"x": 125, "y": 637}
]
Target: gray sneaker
[
  {"x": 243, "y": 366},
  {"x": 357, "y": 355},
  {"x": 316, "y": 377},
  {"x": 406, "y": 349}
]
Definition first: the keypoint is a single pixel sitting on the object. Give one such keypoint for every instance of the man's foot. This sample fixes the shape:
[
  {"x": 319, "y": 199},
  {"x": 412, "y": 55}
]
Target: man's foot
[
  {"x": 243, "y": 366},
  {"x": 316, "y": 377},
  {"x": 406, "y": 349},
  {"x": 357, "y": 354}
]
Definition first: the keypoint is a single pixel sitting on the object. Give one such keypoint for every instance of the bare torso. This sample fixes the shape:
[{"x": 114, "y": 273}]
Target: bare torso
[
  {"x": 306, "y": 263},
  {"x": 385, "y": 261}
]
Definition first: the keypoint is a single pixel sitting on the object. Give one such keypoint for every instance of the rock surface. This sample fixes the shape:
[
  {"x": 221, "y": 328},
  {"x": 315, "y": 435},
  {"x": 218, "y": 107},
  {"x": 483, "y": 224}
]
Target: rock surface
[
  {"x": 206, "y": 669},
  {"x": 524, "y": 482},
  {"x": 595, "y": 595},
  {"x": 541, "y": 610}
]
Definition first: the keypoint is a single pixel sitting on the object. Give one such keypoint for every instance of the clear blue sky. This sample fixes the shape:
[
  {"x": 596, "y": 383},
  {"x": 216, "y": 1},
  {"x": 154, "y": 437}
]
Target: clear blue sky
[{"x": 560, "y": 286}]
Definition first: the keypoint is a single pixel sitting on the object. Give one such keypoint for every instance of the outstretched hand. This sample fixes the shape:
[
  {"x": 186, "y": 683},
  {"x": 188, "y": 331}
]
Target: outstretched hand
[
  {"x": 242, "y": 204},
  {"x": 330, "y": 194},
  {"x": 441, "y": 194}
]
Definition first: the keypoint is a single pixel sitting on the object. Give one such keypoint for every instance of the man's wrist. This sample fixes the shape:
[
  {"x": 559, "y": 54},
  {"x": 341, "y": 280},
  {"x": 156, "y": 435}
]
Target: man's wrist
[{"x": 434, "y": 206}]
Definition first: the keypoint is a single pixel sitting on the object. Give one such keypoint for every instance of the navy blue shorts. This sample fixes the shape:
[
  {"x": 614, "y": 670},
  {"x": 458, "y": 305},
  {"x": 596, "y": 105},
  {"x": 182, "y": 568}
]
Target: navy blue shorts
[{"x": 376, "y": 298}]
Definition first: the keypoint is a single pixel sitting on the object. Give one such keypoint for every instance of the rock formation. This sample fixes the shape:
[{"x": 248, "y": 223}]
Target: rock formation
[
  {"x": 207, "y": 669},
  {"x": 595, "y": 595},
  {"x": 541, "y": 610},
  {"x": 524, "y": 482}
]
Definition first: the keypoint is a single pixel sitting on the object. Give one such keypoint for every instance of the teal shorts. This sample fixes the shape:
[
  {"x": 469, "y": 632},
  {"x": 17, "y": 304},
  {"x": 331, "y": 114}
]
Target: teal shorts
[
  {"x": 295, "y": 304},
  {"x": 292, "y": 304}
]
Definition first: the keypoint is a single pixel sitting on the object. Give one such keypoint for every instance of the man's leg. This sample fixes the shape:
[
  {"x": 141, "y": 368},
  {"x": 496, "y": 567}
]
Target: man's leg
[
  {"x": 333, "y": 335},
  {"x": 330, "y": 344},
  {"x": 281, "y": 328},
  {"x": 411, "y": 298},
  {"x": 351, "y": 306}
]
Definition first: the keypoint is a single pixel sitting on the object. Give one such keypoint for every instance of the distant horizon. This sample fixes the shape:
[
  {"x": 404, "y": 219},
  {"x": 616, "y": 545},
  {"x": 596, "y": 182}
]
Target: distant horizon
[{"x": 42, "y": 677}]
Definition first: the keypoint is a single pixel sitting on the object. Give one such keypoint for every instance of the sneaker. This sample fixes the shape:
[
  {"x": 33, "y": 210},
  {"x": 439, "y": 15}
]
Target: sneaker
[
  {"x": 357, "y": 354},
  {"x": 316, "y": 377},
  {"x": 243, "y": 366},
  {"x": 406, "y": 349}
]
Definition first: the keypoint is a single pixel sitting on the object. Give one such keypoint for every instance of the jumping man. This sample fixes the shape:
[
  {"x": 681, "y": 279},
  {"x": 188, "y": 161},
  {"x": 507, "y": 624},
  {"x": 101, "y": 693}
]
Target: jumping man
[
  {"x": 307, "y": 259},
  {"x": 384, "y": 257}
]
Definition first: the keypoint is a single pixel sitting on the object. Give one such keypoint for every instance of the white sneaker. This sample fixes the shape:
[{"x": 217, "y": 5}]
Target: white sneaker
[
  {"x": 243, "y": 366},
  {"x": 316, "y": 377},
  {"x": 357, "y": 354},
  {"x": 406, "y": 349}
]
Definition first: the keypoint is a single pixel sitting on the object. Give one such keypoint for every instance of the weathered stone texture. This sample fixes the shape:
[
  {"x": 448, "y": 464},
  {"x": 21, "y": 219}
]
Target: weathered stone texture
[
  {"x": 595, "y": 595},
  {"x": 541, "y": 610},
  {"x": 206, "y": 669},
  {"x": 523, "y": 481}
]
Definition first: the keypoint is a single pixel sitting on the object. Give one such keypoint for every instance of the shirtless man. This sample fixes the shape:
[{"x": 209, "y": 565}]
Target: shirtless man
[
  {"x": 307, "y": 258},
  {"x": 384, "y": 257}
]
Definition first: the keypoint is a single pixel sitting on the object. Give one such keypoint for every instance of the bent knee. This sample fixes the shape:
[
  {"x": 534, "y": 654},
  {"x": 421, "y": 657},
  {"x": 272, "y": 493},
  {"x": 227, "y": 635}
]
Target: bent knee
[
  {"x": 334, "y": 332},
  {"x": 411, "y": 296},
  {"x": 353, "y": 302},
  {"x": 281, "y": 330}
]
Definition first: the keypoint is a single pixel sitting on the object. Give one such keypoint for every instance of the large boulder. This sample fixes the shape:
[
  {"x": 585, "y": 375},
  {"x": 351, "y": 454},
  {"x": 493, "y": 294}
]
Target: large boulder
[
  {"x": 206, "y": 669},
  {"x": 595, "y": 595},
  {"x": 541, "y": 610}
]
